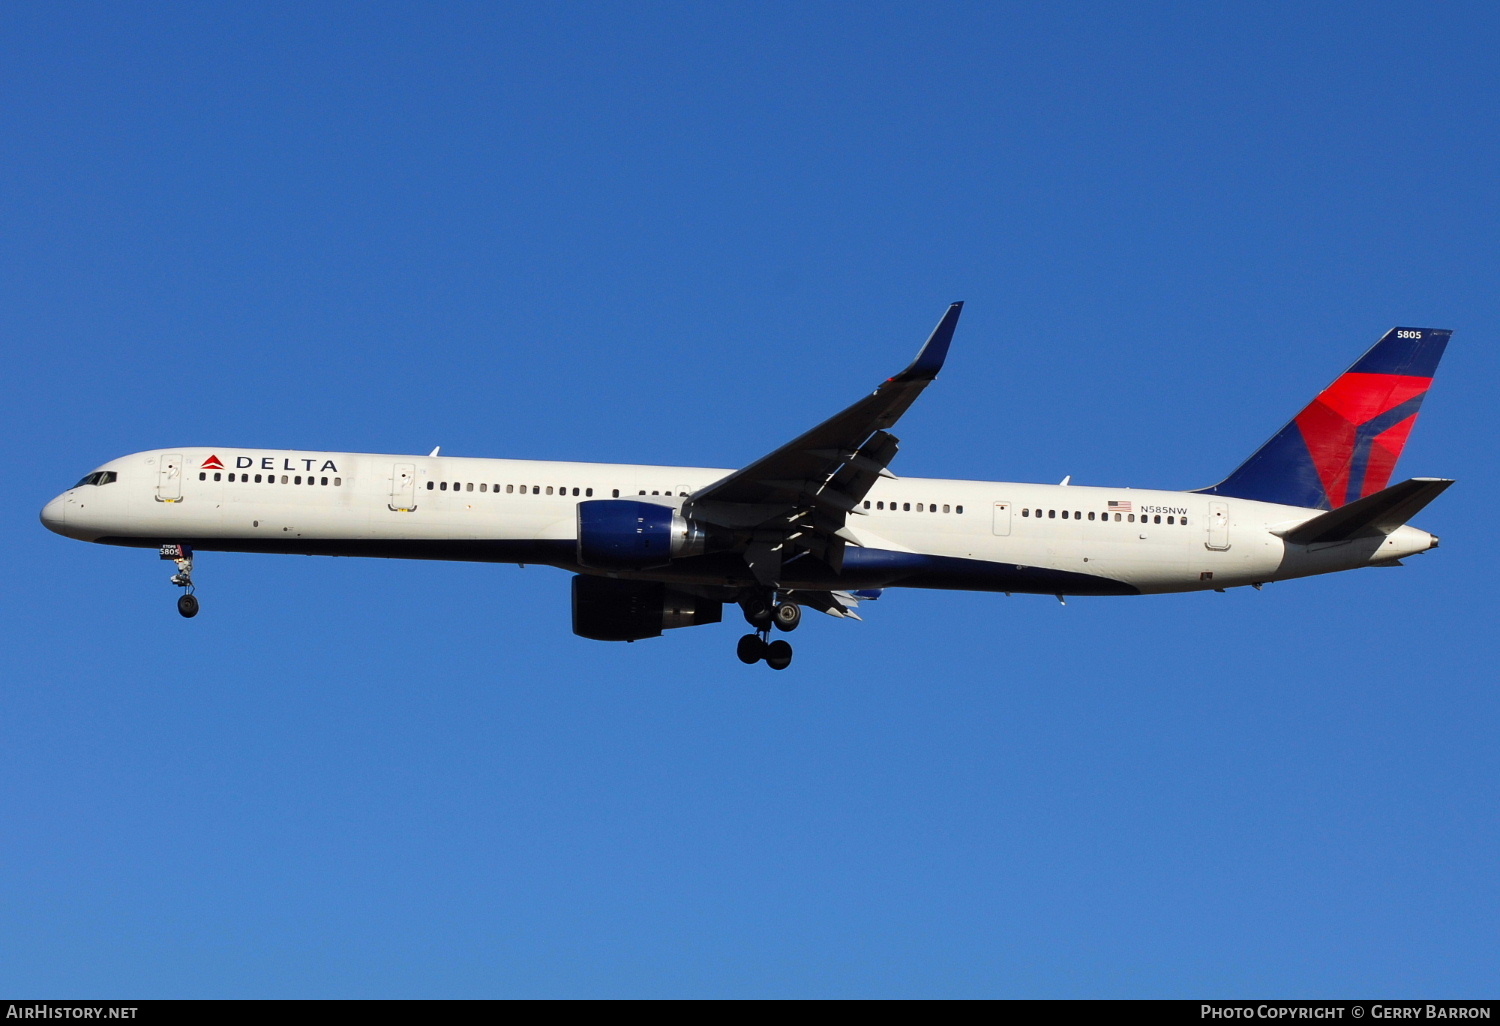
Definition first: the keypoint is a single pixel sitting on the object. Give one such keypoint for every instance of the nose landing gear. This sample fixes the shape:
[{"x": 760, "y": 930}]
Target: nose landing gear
[
  {"x": 182, "y": 555},
  {"x": 762, "y": 614}
]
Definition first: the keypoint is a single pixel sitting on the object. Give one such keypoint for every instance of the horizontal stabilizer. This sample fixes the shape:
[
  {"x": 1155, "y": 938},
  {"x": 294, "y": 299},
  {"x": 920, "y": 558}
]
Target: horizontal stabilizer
[{"x": 1373, "y": 515}]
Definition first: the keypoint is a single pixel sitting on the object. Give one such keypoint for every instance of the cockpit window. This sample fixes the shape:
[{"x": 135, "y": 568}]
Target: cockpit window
[{"x": 98, "y": 477}]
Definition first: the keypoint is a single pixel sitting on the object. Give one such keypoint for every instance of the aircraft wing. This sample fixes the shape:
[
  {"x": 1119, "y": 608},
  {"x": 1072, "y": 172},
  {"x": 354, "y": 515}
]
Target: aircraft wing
[{"x": 794, "y": 500}]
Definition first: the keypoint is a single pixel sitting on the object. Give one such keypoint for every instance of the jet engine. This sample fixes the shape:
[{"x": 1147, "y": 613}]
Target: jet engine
[
  {"x": 624, "y": 534},
  {"x": 610, "y": 610}
]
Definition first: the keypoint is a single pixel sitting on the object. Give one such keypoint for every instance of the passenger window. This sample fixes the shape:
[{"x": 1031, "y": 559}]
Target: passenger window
[
  {"x": 431, "y": 485},
  {"x": 615, "y": 494},
  {"x": 217, "y": 476},
  {"x": 588, "y": 491},
  {"x": 1157, "y": 518},
  {"x": 945, "y": 507},
  {"x": 257, "y": 479},
  {"x": 880, "y": 504},
  {"x": 297, "y": 479},
  {"x": 1183, "y": 523},
  {"x": 906, "y": 507},
  {"x": 1052, "y": 514},
  {"x": 202, "y": 476},
  {"x": 536, "y": 489},
  {"x": 338, "y": 482},
  {"x": 958, "y": 509},
  {"x": 443, "y": 486},
  {"x": 1130, "y": 517},
  {"x": 323, "y": 481},
  {"x": 469, "y": 487},
  {"x": 919, "y": 507},
  {"x": 1091, "y": 514},
  {"x": 867, "y": 504},
  {"x": 1171, "y": 520},
  {"x": 575, "y": 491},
  {"x": 484, "y": 486},
  {"x": 1117, "y": 518},
  {"x": 283, "y": 479}
]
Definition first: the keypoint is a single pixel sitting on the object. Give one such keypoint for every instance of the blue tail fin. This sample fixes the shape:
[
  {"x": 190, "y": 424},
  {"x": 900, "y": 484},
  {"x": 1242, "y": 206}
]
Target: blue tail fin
[{"x": 1345, "y": 444}]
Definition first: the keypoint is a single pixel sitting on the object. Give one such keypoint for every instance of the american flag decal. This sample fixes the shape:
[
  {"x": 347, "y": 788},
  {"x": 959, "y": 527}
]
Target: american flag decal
[{"x": 1118, "y": 507}]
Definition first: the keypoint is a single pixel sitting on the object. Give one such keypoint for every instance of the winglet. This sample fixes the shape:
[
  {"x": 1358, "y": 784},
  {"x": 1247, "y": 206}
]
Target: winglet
[{"x": 930, "y": 360}]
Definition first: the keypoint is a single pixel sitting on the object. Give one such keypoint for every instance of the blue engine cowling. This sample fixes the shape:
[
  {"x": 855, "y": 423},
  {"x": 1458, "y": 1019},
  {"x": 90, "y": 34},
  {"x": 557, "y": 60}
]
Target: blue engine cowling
[
  {"x": 609, "y": 610},
  {"x": 624, "y": 534}
]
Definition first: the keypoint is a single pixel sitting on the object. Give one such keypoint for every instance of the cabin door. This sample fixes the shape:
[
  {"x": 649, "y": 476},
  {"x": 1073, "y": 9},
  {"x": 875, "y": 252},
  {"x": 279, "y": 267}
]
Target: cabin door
[
  {"x": 403, "y": 487},
  {"x": 1218, "y": 526},
  {"x": 169, "y": 478}
]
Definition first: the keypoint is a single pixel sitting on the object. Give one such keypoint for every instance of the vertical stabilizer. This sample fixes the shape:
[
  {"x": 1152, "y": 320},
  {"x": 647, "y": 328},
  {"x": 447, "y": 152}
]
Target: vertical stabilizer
[{"x": 1345, "y": 444}]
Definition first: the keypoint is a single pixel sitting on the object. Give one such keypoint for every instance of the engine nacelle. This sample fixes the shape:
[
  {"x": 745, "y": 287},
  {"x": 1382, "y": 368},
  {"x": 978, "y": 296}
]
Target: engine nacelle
[
  {"x": 609, "y": 610},
  {"x": 624, "y": 534}
]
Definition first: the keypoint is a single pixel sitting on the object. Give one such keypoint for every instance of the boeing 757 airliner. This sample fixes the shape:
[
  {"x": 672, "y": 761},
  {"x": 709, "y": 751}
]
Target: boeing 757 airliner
[{"x": 820, "y": 522}]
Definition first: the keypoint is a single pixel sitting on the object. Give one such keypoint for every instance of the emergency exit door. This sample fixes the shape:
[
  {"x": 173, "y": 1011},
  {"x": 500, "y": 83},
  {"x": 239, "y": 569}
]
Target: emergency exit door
[
  {"x": 403, "y": 487},
  {"x": 1002, "y": 518}
]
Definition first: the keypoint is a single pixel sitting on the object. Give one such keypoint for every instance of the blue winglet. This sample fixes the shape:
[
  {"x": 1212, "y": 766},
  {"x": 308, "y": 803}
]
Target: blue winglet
[{"x": 930, "y": 360}]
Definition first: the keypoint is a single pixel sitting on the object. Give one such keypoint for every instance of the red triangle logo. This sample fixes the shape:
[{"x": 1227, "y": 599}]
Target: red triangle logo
[{"x": 212, "y": 463}]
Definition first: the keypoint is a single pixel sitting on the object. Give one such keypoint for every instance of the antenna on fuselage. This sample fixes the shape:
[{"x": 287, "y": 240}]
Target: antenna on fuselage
[{"x": 435, "y": 450}]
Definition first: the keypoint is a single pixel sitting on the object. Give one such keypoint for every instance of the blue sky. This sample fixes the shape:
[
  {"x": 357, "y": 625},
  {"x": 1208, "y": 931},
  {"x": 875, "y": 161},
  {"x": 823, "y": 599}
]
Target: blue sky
[{"x": 682, "y": 233}]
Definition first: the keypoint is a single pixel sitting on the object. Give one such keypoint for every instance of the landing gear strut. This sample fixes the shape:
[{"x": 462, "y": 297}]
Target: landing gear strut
[
  {"x": 761, "y": 613},
  {"x": 182, "y": 555}
]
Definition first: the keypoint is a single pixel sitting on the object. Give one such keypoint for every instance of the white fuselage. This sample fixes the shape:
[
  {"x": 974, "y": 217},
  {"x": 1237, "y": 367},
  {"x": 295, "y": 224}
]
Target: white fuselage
[{"x": 916, "y": 532}]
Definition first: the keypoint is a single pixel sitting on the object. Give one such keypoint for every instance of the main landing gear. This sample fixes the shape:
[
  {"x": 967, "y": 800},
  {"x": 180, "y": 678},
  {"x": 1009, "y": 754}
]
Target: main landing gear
[
  {"x": 182, "y": 555},
  {"x": 761, "y": 612}
]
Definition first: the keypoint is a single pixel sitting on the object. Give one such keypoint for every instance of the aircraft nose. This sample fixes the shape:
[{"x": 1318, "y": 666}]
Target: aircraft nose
[{"x": 55, "y": 515}]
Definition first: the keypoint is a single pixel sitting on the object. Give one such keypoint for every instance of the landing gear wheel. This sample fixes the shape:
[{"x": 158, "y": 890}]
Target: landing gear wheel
[
  {"x": 187, "y": 605},
  {"x": 759, "y": 616},
  {"x": 778, "y": 655},
  {"x": 788, "y": 616},
  {"x": 750, "y": 649}
]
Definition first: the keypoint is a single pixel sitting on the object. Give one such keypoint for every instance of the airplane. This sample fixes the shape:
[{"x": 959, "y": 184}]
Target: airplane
[{"x": 820, "y": 522}]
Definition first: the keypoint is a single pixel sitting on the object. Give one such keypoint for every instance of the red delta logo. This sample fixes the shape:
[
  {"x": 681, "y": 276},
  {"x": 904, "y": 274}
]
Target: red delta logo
[
  {"x": 269, "y": 463},
  {"x": 1355, "y": 431}
]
